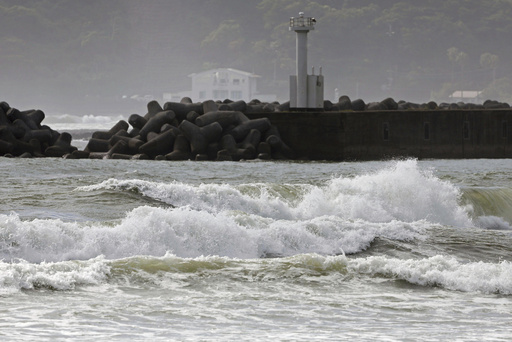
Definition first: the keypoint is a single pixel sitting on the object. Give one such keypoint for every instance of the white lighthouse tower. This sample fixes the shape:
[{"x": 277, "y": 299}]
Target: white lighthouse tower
[{"x": 306, "y": 91}]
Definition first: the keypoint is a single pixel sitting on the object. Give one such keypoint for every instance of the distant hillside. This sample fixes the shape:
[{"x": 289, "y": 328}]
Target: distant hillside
[{"x": 72, "y": 52}]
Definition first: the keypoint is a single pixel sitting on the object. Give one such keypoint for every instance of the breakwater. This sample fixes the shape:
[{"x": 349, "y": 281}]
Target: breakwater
[
  {"x": 22, "y": 134},
  {"x": 190, "y": 131},
  {"x": 376, "y": 135},
  {"x": 236, "y": 130}
]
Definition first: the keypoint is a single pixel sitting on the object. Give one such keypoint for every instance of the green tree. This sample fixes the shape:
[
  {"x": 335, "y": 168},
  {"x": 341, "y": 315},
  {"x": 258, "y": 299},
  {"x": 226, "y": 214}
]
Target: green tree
[
  {"x": 490, "y": 61},
  {"x": 457, "y": 58},
  {"x": 226, "y": 40}
]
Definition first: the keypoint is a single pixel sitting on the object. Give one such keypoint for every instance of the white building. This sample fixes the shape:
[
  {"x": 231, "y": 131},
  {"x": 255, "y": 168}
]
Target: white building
[
  {"x": 466, "y": 96},
  {"x": 226, "y": 83}
]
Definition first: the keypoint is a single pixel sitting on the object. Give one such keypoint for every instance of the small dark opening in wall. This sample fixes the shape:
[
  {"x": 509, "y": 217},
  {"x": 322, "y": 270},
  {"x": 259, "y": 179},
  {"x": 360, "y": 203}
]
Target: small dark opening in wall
[
  {"x": 385, "y": 131},
  {"x": 426, "y": 130},
  {"x": 465, "y": 130},
  {"x": 504, "y": 129}
]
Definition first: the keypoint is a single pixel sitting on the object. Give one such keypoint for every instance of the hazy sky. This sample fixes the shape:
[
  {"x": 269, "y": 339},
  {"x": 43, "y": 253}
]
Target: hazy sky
[{"x": 85, "y": 55}]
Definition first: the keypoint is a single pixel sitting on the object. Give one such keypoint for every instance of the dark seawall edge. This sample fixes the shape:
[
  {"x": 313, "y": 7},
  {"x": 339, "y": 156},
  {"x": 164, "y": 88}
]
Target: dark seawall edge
[{"x": 386, "y": 134}]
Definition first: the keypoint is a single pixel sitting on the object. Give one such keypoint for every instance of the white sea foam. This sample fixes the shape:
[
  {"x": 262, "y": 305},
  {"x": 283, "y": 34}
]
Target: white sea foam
[
  {"x": 402, "y": 192},
  {"x": 493, "y": 222},
  {"x": 190, "y": 233},
  {"x": 74, "y": 122},
  {"x": 22, "y": 275},
  {"x": 442, "y": 271},
  {"x": 437, "y": 271},
  {"x": 212, "y": 198}
]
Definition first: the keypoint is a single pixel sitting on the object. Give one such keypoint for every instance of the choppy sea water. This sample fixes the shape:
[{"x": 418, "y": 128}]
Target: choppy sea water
[
  {"x": 67, "y": 122},
  {"x": 292, "y": 251}
]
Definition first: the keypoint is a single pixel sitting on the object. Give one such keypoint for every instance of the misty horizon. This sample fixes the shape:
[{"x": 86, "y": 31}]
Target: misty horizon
[{"x": 91, "y": 58}]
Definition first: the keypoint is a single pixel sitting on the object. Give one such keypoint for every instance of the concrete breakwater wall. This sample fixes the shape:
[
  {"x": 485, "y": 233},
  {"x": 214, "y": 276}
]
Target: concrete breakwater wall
[
  {"x": 235, "y": 130},
  {"x": 374, "y": 134}
]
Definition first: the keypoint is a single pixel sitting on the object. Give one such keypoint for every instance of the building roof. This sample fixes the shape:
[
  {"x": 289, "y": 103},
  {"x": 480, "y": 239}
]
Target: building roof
[
  {"x": 466, "y": 94},
  {"x": 213, "y": 71}
]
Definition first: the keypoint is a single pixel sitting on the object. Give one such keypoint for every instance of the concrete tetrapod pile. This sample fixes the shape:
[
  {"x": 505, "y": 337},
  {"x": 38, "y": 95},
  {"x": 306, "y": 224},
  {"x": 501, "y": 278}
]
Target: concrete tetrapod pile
[
  {"x": 346, "y": 104},
  {"x": 189, "y": 131},
  {"x": 23, "y": 135}
]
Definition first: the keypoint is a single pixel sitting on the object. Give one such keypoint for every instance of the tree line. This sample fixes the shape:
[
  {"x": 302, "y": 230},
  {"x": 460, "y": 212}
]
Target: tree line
[{"x": 367, "y": 48}]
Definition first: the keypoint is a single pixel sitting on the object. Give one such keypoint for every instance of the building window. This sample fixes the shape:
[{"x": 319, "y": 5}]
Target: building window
[
  {"x": 465, "y": 130},
  {"x": 220, "y": 78},
  {"x": 220, "y": 94},
  {"x": 236, "y": 95},
  {"x": 385, "y": 131},
  {"x": 426, "y": 130},
  {"x": 223, "y": 78},
  {"x": 202, "y": 94},
  {"x": 504, "y": 129},
  {"x": 236, "y": 81}
]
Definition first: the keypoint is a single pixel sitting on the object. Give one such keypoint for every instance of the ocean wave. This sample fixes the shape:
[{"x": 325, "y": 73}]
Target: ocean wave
[
  {"x": 436, "y": 271},
  {"x": 59, "y": 276},
  {"x": 494, "y": 223},
  {"x": 191, "y": 233},
  {"x": 261, "y": 199},
  {"x": 402, "y": 192},
  {"x": 173, "y": 271},
  {"x": 442, "y": 271},
  {"x": 160, "y": 271},
  {"x": 342, "y": 215},
  {"x": 487, "y": 204}
]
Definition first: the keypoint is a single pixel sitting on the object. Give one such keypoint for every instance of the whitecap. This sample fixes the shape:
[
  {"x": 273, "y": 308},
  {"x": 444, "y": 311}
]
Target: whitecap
[{"x": 443, "y": 271}]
